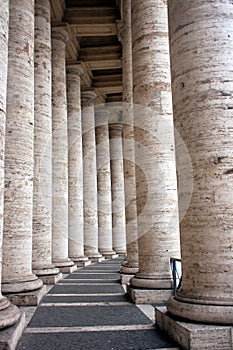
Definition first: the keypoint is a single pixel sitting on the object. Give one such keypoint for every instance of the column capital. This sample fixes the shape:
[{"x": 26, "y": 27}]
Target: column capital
[
  {"x": 101, "y": 114},
  {"x": 88, "y": 97},
  {"x": 75, "y": 68},
  {"x": 115, "y": 130},
  {"x": 60, "y": 33}
]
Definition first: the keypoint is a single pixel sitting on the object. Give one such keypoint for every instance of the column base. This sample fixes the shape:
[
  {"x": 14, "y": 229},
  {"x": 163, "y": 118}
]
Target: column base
[
  {"x": 27, "y": 284},
  {"x": 10, "y": 336},
  {"x": 51, "y": 279},
  {"x": 45, "y": 271},
  {"x": 204, "y": 313},
  {"x": 48, "y": 275},
  {"x": 108, "y": 253},
  {"x": 148, "y": 296},
  {"x": 9, "y": 314},
  {"x": 128, "y": 270},
  {"x": 81, "y": 261},
  {"x": 194, "y": 336},
  {"x": 31, "y": 298},
  {"x": 96, "y": 259},
  {"x": 125, "y": 278},
  {"x": 95, "y": 256},
  {"x": 65, "y": 266},
  {"x": 110, "y": 256},
  {"x": 124, "y": 262},
  {"x": 68, "y": 269},
  {"x": 120, "y": 252}
]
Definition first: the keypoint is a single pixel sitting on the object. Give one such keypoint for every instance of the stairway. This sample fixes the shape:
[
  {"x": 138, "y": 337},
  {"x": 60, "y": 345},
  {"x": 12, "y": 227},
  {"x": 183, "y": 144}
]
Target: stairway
[{"x": 88, "y": 310}]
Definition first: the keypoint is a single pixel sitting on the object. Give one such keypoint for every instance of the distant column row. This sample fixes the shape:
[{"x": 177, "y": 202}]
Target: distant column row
[{"x": 56, "y": 180}]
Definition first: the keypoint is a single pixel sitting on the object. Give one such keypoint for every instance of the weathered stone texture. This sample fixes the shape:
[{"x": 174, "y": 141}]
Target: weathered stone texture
[
  {"x": 158, "y": 224},
  {"x": 60, "y": 150},
  {"x": 17, "y": 241},
  {"x": 8, "y": 313},
  {"x": 89, "y": 176},
  {"x": 75, "y": 182},
  {"x": 118, "y": 190},
  {"x": 201, "y": 65},
  {"x": 128, "y": 143},
  {"x": 103, "y": 182},
  {"x": 42, "y": 183}
]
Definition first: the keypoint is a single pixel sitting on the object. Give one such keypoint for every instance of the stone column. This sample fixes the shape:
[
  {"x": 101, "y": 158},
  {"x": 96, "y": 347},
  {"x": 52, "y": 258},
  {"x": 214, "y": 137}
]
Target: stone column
[
  {"x": 104, "y": 183},
  {"x": 202, "y": 94},
  {"x": 17, "y": 276},
  {"x": 158, "y": 224},
  {"x": 42, "y": 184},
  {"x": 75, "y": 171},
  {"x": 60, "y": 153},
  {"x": 130, "y": 267},
  {"x": 9, "y": 314},
  {"x": 90, "y": 177},
  {"x": 118, "y": 191}
]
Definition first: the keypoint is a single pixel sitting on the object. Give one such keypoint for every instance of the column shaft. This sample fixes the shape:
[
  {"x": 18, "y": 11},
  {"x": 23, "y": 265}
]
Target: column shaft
[
  {"x": 60, "y": 152},
  {"x": 104, "y": 183},
  {"x": 118, "y": 190},
  {"x": 158, "y": 224},
  {"x": 90, "y": 177},
  {"x": 9, "y": 314},
  {"x": 42, "y": 184},
  {"x": 76, "y": 229},
  {"x": 202, "y": 93},
  {"x": 17, "y": 273},
  {"x": 131, "y": 266}
]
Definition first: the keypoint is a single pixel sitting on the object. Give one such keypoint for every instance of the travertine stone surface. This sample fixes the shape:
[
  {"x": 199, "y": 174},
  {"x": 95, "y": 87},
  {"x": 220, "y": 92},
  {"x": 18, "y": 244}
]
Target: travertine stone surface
[
  {"x": 59, "y": 150},
  {"x": 118, "y": 191},
  {"x": 75, "y": 170},
  {"x": 17, "y": 273},
  {"x": 158, "y": 224},
  {"x": 9, "y": 314},
  {"x": 194, "y": 336},
  {"x": 131, "y": 266},
  {"x": 201, "y": 62},
  {"x": 103, "y": 182},
  {"x": 148, "y": 296},
  {"x": 42, "y": 183},
  {"x": 89, "y": 176}
]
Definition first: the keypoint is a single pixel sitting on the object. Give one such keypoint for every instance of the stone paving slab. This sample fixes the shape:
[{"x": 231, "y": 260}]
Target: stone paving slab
[
  {"x": 61, "y": 289},
  {"x": 56, "y": 316},
  {"x": 73, "y": 299},
  {"x": 85, "y": 280},
  {"x": 114, "y": 326},
  {"x": 116, "y": 340},
  {"x": 93, "y": 276},
  {"x": 104, "y": 268}
]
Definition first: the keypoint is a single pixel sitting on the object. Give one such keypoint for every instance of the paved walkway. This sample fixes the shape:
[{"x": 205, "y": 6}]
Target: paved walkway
[{"x": 88, "y": 310}]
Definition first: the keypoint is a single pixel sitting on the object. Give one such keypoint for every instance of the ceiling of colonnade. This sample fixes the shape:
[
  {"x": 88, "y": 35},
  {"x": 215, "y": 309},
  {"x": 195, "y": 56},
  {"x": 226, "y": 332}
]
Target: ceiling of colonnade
[{"x": 92, "y": 27}]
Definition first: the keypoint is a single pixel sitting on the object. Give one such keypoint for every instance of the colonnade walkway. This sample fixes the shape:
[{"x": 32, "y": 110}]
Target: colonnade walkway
[{"x": 88, "y": 310}]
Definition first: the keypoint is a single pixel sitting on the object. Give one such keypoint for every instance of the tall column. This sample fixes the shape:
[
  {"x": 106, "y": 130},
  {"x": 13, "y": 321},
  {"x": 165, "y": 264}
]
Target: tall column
[
  {"x": 158, "y": 224},
  {"x": 60, "y": 153},
  {"x": 202, "y": 75},
  {"x": 118, "y": 191},
  {"x": 104, "y": 183},
  {"x": 90, "y": 177},
  {"x": 42, "y": 183},
  {"x": 130, "y": 267},
  {"x": 17, "y": 276},
  {"x": 9, "y": 314},
  {"x": 75, "y": 170}
]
